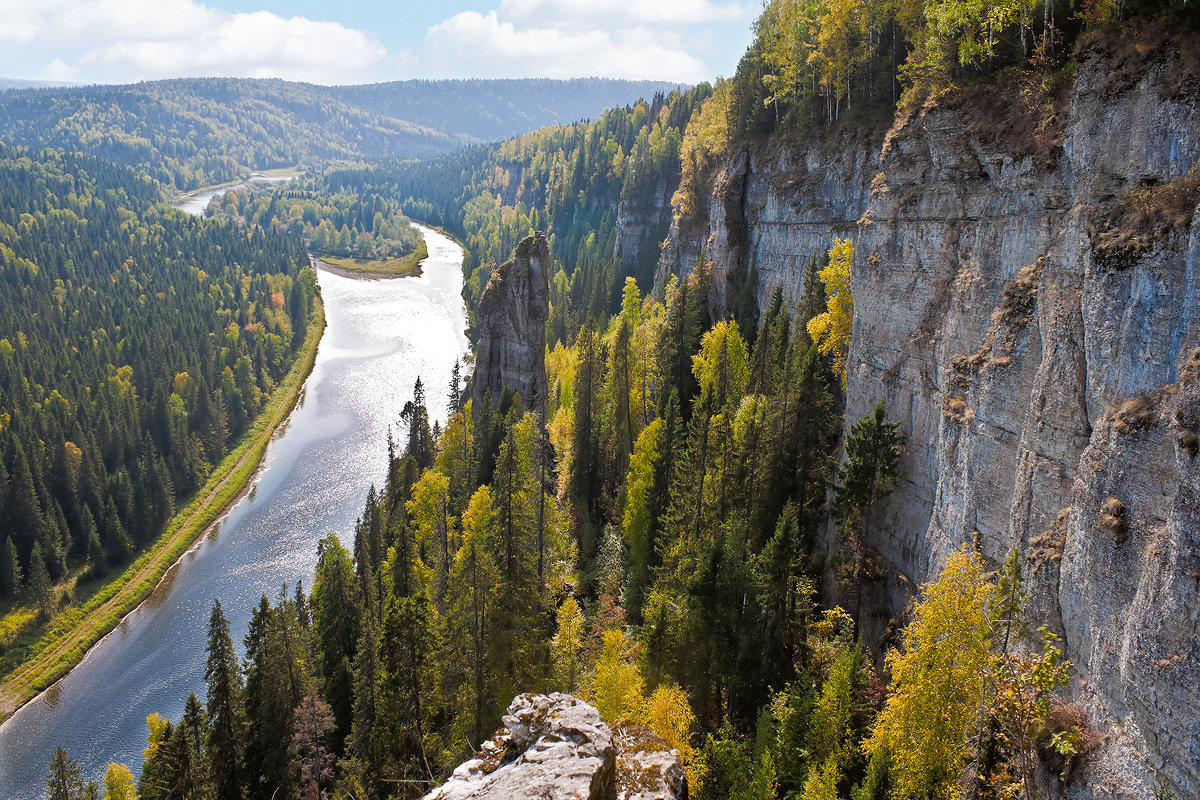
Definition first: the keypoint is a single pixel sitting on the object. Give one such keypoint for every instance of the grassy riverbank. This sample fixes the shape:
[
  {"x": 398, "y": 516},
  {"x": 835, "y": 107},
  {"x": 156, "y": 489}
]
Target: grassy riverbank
[
  {"x": 42, "y": 653},
  {"x": 408, "y": 266}
]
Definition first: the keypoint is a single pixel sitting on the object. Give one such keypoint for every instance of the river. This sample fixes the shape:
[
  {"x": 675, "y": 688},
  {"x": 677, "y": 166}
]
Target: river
[
  {"x": 380, "y": 336},
  {"x": 197, "y": 201}
]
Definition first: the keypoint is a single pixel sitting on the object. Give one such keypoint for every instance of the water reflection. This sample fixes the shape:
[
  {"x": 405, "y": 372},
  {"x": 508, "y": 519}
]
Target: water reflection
[{"x": 381, "y": 335}]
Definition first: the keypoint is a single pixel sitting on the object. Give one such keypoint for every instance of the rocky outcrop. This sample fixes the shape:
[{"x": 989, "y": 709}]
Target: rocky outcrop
[
  {"x": 556, "y": 747},
  {"x": 1044, "y": 376},
  {"x": 511, "y": 320}
]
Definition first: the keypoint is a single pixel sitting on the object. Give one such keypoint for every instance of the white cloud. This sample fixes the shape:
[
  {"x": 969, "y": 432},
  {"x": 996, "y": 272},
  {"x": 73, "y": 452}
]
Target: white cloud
[
  {"x": 59, "y": 70},
  {"x": 637, "y": 11},
  {"x": 129, "y": 40},
  {"x": 471, "y": 44}
]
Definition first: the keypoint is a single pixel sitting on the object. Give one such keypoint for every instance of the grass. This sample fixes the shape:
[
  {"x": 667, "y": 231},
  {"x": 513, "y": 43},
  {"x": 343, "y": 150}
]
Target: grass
[
  {"x": 62, "y": 642},
  {"x": 402, "y": 267}
]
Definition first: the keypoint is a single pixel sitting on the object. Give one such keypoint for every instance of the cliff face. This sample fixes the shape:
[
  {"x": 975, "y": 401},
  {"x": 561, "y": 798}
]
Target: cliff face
[
  {"x": 556, "y": 747},
  {"x": 512, "y": 320},
  {"x": 769, "y": 212},
  {"x": 1047, "y": 384}
]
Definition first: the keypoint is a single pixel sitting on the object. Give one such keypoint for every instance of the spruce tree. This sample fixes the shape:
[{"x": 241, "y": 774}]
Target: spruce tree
[
  {"x": 338, "y": 621},
  {"x": 225, "y": 716},
  {"x": 39, "y": 581},
  {"x": 63, "y": 782},
  {"x": 868, "y": 474},
  {"x": 10, "y": 569}
]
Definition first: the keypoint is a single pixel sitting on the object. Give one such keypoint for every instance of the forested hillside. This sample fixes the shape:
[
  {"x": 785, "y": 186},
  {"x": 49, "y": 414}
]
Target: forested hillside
[
  {"x": 192, "y": 132},
  {"x": 137, "y": 344},
  {"x": 351, "y": 225},
  {"x": 569, "y": 181}
]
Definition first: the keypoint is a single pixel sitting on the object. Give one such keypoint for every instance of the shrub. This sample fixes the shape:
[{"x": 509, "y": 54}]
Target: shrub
[
  {"x": 1067, "y": 738},
  {"x": 1135, "y": 414},
  {"x": 1112, "y": 518}
]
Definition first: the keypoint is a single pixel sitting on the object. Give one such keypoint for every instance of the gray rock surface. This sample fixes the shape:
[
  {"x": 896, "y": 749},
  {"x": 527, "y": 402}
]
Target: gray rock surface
[
  {"x": 556, "y": 747},
  {"x": 511, "y": 320},
  {"x": 1008, "y": 345}
]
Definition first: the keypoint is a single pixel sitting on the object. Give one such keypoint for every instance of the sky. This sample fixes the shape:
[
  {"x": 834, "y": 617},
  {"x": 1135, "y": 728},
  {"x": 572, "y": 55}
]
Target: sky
[{"x": 356, "y": 41}]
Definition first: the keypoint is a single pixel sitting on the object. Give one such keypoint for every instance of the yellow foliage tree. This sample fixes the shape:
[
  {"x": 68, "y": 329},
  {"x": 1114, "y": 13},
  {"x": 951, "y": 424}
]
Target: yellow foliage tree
[
  {"x": 617, "y": 692},
  {"x": 722, "y": 367},
  {"x": 566, "y": 644},
  {"x": 831, "y": 330},
  {"x": 617, "y": 689},
  {"x": 119, "y": 783},
  {"x": 939, "y": 683}
]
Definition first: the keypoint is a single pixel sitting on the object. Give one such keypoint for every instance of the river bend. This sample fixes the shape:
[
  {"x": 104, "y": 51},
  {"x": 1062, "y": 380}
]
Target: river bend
[{"x": 380, "y": 335}]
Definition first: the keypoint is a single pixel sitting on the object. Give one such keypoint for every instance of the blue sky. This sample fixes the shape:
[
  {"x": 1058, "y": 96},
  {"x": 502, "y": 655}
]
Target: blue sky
[{"x": 353, "y": 41}]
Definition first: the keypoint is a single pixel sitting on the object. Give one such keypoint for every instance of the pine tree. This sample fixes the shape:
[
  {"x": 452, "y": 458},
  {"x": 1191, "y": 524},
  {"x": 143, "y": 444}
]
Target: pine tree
[
  {"x": 362, "y": 743},
  {"x": 10, "y": 569},
  {"x": 64, "y": 782}
]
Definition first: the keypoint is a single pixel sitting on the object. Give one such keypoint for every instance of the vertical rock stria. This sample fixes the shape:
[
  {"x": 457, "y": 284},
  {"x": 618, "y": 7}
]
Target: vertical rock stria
[{"x": 511, "y": 353}]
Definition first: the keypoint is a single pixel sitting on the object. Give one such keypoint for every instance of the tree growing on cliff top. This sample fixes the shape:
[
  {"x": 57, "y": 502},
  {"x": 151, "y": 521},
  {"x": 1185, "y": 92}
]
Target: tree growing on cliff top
[{"x": 831, "y": 330}]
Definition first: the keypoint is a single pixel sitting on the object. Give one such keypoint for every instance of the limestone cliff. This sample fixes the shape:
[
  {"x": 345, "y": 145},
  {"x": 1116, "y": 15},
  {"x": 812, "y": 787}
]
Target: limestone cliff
[
  {"x": 557, "y": 747},
  {"x": 770, "y": 211},
  {"x": 1043, "y": 367},
  {"x": 511, "y": 320}
]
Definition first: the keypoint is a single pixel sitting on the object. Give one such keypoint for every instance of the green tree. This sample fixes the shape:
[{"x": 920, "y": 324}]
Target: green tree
[
  {"x": 639, "y": 515},
  {"x": 39, "y": 581},
  {"x": 868, "y": 474},
  {"x": 226, "y": 721},
  {"x": 474, "y": 582},
  {"x": 337, "y": 615},
  {"x": 10, "y": 569},
  {"x": 63, "y": 781}
]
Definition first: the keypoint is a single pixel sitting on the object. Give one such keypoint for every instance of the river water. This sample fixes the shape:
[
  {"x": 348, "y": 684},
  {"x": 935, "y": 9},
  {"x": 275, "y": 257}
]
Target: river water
[
  {"x": 380, "y": 336},
  {"x": 196, "y": 202}
]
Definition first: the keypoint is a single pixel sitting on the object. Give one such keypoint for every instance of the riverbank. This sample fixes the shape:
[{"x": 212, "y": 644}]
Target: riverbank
[
  {"x": 69, "y": 635},
  {"x": 408, "y": 266}
]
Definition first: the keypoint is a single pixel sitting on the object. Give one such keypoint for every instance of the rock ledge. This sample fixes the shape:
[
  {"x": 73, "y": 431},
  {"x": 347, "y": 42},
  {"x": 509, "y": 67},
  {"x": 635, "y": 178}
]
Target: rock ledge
[{"x": 556, "y": 747}]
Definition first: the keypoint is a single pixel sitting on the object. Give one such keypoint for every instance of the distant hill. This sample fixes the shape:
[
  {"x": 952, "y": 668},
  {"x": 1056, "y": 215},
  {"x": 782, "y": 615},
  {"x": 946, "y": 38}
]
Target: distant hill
[
  {"x": 22, "y": 83},
  {"x": 194, "y": 131},
  {"x": 490, "y": 110}
]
